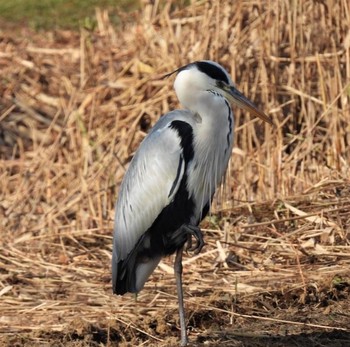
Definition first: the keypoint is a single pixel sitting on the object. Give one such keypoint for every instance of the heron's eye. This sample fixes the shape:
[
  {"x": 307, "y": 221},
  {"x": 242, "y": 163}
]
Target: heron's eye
[{"x": 220, "y": 84}]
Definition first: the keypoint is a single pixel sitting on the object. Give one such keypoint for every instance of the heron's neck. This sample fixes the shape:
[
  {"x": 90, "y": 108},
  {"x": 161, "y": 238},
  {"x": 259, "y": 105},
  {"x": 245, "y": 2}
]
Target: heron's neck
[
  {"x": 213, "y": 108},
  {"x": 213, "y": 145},
  {"x": 216, "y": 120}
]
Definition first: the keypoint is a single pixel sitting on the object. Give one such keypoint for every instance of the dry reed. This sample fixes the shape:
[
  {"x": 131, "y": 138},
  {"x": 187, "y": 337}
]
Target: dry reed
[{"x": 75, "y": 106}]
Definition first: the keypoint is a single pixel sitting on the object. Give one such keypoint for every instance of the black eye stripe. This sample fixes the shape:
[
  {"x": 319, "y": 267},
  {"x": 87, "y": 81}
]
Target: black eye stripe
[
  {"x": 212, "y": 71},
  {"x": 208, "y": 68}
]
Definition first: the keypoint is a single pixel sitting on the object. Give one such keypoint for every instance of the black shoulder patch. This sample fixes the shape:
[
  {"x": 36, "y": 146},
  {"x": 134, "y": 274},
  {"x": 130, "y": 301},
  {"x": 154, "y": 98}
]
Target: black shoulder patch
[
  {"x": 186, "y": 134},
  {"x": 212, "y": 71}
]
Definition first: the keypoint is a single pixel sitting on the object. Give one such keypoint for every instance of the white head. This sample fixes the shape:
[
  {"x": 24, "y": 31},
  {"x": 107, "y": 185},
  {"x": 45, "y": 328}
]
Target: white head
[{"x": 207, "y": 75}]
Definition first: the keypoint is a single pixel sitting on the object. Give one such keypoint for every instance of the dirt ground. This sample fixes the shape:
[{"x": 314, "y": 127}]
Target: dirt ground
[{"x": 74, "y": 106}]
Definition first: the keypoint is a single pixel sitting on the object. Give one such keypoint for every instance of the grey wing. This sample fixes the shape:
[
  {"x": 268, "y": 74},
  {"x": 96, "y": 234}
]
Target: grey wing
[{"x": 149, "y": 185}]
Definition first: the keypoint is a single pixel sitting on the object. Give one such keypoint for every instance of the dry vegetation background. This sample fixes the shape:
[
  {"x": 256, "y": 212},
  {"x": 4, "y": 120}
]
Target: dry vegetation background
[{"x": 73, "y": 109}]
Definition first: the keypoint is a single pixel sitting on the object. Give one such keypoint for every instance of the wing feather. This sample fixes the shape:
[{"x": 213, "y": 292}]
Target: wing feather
[{"x": 149, "y": 185}]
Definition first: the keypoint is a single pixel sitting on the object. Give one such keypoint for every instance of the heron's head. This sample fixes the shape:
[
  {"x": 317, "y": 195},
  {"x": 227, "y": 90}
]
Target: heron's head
[{"x": 207, "y": 75}]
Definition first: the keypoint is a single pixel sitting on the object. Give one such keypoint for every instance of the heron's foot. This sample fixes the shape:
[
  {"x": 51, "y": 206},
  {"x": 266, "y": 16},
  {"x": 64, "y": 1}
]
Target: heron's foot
[{"x": 196, "y": 233}]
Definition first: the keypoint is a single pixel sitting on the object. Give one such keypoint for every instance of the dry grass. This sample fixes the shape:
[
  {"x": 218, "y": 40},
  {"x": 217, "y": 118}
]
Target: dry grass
[{"x": 74, "y": 107}]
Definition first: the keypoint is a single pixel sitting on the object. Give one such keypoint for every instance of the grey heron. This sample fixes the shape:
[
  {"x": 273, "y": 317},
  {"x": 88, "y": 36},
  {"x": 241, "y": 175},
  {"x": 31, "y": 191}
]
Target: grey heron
[{"x": 169, "y": 185}]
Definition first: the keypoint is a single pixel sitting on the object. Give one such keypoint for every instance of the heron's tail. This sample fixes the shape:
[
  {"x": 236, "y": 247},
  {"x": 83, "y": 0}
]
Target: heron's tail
[{"x": 131, "y": 274}]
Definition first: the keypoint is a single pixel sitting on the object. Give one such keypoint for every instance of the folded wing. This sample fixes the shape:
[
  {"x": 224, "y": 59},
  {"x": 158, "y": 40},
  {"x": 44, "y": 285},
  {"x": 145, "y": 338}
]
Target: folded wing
[{"x": 150, "y": 184}]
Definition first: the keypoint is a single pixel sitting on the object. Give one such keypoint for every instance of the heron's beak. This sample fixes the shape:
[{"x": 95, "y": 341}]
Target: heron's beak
[{"x": 241, "y": 101}]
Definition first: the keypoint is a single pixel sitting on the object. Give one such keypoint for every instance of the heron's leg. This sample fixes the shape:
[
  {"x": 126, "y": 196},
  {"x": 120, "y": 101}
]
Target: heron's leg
[
  {"x": 178, "y": 276},
  {"x": 196, "y": 232},
  {"x": 184, "y": 235}
]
